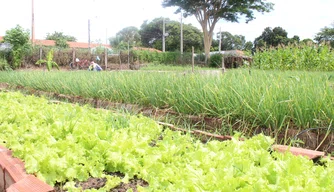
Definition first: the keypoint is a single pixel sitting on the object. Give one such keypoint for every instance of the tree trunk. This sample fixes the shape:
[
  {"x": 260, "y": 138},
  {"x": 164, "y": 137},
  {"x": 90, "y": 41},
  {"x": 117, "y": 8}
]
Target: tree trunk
[
  {"x": 207, "y": 45},
  {"x": 208, "y": 26}
]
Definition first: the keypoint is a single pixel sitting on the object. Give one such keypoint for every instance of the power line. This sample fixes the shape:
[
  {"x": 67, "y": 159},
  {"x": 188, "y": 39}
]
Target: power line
[{"x": 32, "y": 22}]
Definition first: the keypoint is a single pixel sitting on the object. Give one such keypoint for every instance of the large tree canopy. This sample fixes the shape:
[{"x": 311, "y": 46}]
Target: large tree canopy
[
  {"x": 151, "y": 35},
  {"x": 209, "y": 12},
  {"x": 124, "y": 37},
  {"x": 326, "y": 35},
  {"x": 129, "y": 34},
  {"x": 274, "y": 37}
]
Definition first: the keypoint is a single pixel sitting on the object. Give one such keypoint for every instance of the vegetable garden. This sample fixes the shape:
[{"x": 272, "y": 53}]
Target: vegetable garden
[
  {"x": 64, "y": 144},
  {"x": 71, "y": 146},
  {"x": 273, "y": 100}
]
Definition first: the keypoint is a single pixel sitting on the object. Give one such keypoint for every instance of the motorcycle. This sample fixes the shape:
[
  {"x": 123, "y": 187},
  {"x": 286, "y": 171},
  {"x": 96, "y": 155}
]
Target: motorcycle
[{"x": 79, "y": 64}]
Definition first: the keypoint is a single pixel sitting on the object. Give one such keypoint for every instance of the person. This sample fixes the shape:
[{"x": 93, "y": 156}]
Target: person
[{"x": 94, "y": 66}]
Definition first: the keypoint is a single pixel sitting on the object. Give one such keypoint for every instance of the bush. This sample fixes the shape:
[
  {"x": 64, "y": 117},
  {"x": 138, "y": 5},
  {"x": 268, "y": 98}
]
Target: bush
[
  {"x": 144, "y": 56},
  {"x": 19, "y": 39},
  {"x": 215, "y": 60},
  {"x": 200, "y": 57},
  {"x": 4, "y": 66}
]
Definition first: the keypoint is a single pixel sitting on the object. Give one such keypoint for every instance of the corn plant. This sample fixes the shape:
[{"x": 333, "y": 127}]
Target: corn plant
[{"x": 308, "y": 57}]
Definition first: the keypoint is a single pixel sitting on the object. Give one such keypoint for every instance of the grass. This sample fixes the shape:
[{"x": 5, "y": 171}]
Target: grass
[
  {"x": 267, "y": 99},
  {"x": 162, "y": 67}
]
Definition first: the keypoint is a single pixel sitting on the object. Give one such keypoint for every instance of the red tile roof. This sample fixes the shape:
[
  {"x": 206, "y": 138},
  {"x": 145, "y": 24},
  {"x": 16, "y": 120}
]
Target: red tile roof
[{"x": 71, "y": 44}]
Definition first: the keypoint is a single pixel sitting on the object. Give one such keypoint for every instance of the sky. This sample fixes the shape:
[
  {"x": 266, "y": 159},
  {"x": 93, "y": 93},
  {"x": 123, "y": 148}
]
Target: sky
[{"x": 298, "y": 17}]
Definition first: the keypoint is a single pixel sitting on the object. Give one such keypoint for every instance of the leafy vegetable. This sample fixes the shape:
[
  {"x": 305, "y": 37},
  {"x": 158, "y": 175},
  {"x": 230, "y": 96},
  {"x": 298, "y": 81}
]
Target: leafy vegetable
[{"x": 65, "y": 143}]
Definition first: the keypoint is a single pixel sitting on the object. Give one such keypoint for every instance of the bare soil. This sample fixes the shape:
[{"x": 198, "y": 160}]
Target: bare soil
[{"x": 97, "y": 183}]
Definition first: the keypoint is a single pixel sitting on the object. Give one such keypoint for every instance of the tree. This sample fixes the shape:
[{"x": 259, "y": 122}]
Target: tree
[
  {"x": 273, "y": 37},
  {"x": 60, "y": 39},
  {"x": 121, "y": 41},
  {"x": 19, "y": 39},
  {"x": 295, "y": 39},
  {"x": 209, "y": 12},
  {"x": 151, "y": 35},
  {"x": 151, "y": 32},
  {"x": 326, "y": 34},
  {"x": 192, "y": 37},
  {"x": 231, "y": 42},
  {"x": 129, "y": 34},
  {"x": 248, "y": 46},
  {"x": 307, "y": 41},
  {"x": 117, "y": 44}
]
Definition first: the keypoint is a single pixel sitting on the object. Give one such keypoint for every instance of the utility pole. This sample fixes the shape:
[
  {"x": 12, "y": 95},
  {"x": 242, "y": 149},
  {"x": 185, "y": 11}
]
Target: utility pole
[
  {"x": 106, "y": 36},
  {"x": 32, "y": 23},
  {"x": 220, "y": 39},
  {"x": 181, "y": 47},
  {"x": 163, "y": 36},
  {"x": 89, "y": 34}
]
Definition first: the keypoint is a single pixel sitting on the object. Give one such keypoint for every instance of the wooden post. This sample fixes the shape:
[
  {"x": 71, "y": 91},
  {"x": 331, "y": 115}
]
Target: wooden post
[
  {"x": 106, "y": 58},
  {"x": 40, "y": 53},
  {"x": 120, "y": 60},
  {"x": 73, "y": 57},
  {"x": 193, "y": 58},
  {"x": 223, "y": 65},
  {"x": 129, "y": 54}
]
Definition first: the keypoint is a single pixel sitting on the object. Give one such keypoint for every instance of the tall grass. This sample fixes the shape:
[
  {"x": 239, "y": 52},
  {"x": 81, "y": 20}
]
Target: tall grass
[
  {"x": 270, "y": 99},
  {"x": 309, "y": 57},
  {"x": 168, "y": 67}
]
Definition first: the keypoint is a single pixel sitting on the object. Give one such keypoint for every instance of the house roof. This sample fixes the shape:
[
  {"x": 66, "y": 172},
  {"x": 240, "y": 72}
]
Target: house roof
[
  {"x": 236, "y": 53},
  {"x": 231, "y": 53},
  {"x": 71, "y": 44}
]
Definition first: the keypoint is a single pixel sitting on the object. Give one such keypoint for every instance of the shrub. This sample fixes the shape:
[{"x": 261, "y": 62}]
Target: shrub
[
  {"x": 215, "y": 60},
  {"x": 4, "y": 66},
  {"x": 144, "y": 56},
  {"x": 19, "y": 39}
]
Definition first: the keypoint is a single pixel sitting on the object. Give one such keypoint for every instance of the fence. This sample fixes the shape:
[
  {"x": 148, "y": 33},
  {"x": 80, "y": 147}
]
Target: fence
[{"x": 63, "y": 57}]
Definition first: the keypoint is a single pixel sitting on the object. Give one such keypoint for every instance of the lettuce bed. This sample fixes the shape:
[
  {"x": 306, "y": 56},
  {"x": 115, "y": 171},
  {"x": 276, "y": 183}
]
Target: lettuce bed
[{"x": 65, "y": 143}]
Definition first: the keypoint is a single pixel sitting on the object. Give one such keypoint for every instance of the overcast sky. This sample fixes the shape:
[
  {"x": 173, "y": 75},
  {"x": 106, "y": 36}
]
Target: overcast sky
[{"x": 298, "y": 17}]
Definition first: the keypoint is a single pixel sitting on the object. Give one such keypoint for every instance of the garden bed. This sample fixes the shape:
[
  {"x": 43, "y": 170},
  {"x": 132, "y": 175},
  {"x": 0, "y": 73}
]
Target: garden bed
[
  {"x": 313, "y": 139},
  {"x": 65, "y": 143}
]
